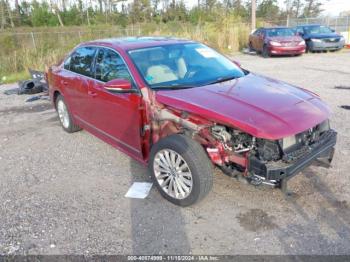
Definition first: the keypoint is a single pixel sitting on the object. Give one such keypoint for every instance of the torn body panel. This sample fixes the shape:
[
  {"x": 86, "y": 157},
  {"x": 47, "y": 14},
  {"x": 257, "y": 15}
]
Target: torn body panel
[{"x": 234, "y": 151}]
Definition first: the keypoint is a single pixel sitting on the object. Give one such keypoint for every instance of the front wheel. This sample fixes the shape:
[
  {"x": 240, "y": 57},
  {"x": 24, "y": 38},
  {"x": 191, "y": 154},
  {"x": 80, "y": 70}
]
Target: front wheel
[
  {"x": 265, "y": 52},
  {"x": 181, "y": 170}
]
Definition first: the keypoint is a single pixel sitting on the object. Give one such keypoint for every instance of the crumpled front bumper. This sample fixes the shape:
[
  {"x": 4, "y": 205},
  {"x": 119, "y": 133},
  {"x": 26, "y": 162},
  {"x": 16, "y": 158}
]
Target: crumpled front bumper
[{"x": 276, "y": 171}]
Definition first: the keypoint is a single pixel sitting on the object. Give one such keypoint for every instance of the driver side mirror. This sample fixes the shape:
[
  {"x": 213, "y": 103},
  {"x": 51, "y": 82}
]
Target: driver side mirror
[{"x": 119, "y": 86}]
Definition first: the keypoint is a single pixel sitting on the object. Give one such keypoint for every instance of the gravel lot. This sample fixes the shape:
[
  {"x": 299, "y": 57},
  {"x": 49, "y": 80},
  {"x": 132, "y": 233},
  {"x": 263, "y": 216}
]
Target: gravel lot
[{"x": 64, "y": 193}]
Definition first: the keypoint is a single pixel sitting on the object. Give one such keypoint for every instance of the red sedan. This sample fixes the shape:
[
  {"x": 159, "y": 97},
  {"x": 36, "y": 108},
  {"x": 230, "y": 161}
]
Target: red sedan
[
  {"x": 276, "y": 41},
  {"x": 179, "y": 107}
]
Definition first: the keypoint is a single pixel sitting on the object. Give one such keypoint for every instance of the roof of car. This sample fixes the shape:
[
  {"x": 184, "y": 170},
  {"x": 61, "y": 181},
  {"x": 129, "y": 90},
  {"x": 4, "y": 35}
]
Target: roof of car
[
  {"x": 308, "y": 25},
  {"x": 129, "y": 43},
  {"x": 274, "y": 27}
]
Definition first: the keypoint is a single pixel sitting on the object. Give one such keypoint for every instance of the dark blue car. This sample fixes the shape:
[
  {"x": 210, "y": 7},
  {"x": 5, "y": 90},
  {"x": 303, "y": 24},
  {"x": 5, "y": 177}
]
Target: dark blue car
[{"x": 320, "y": 38}]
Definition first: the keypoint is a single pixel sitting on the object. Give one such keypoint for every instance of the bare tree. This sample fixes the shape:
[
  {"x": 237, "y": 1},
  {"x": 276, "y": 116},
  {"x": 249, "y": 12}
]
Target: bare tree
[
  {"x": 87, "y": 13},
  {"x": 2, "y": 14},
  {"x": 54, "y": 6},
  {"x": 18, "y": 10},
  {"x": 9, "y": 11}
]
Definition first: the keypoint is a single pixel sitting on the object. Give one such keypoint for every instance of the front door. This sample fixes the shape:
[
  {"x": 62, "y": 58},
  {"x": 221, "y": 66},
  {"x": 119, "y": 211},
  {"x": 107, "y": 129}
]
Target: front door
[{"x": 115, "y": 115}]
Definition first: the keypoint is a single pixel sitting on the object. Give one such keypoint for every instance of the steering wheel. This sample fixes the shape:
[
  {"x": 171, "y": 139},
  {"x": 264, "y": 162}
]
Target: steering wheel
[{"x": 192, "y": 71}]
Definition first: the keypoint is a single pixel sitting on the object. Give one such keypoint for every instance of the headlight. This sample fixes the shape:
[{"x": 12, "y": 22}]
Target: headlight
[
  {"x": 342, "y": 38},
  {"x": 324, "y": 126},
  {"x": 288, "y": 142},
  {"x": 316, "y": 40},
  {"x": 274, "y": 43},
  {"x": 302, "y": 43}
]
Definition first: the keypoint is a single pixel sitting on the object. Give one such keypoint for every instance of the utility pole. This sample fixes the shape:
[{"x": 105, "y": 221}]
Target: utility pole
[
  {"x": 288, "y": 12},
  {"x": 253, "y": 14}
]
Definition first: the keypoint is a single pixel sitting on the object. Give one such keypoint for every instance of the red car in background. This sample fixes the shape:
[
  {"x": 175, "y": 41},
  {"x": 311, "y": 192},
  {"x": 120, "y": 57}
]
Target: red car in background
[
  {"x": 276, "y": 41},
  {"x": 181, "y": 107}
]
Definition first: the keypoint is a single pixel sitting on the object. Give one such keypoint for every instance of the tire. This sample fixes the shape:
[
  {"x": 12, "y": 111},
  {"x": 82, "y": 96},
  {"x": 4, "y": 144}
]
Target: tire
[
  {"x": 199, "y": 166},
  {"x": 250, "y": 47},
  {"x": 308, "y": 47},
  {"x": 65, "y": 117},
  {"x": 265, "y": 52}
]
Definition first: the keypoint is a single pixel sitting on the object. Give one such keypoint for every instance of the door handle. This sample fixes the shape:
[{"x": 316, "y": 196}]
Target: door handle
[
  {"x": 92, "y": 94},
  {"x": 64, "y": 82}
]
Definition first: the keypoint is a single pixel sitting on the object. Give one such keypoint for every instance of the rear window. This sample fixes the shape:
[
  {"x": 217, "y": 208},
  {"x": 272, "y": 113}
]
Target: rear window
[
  {"x": 317, "y": 30},
  {"x": 276, "y": 32}
]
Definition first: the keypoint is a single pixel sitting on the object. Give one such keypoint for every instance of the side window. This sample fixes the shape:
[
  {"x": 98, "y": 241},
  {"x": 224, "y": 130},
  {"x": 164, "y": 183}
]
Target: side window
[
  {"x": 66, "y": 64},
  {"x": 109, "y": 66},
  {"x": 257, "y": 32},
  {"x": 81, "y": 61}
]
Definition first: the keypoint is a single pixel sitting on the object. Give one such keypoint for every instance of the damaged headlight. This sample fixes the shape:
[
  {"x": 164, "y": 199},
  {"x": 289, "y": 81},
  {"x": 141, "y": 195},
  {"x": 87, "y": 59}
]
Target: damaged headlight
[
  {"x": 289, "y": 141},
  {"x": 324, "y": 126}
]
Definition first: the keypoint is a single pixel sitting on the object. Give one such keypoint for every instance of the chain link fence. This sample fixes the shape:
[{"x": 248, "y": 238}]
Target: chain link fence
[{"x": 64, "y": 39}]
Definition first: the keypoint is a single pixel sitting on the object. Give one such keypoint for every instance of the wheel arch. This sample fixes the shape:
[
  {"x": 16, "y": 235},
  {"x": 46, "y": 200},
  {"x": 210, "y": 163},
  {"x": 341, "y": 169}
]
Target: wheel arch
[{"x": 56, "y": 93}]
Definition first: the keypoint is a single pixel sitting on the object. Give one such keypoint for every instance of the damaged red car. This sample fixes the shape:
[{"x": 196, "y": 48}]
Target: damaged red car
[{"x": 182, "y": 108}]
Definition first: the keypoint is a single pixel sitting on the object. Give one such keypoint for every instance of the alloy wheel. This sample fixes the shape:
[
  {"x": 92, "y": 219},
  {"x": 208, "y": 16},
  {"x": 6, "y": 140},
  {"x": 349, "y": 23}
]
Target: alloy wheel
[
  {"x": 173, "y": 174},
  {"x": 63, "y": 113}
]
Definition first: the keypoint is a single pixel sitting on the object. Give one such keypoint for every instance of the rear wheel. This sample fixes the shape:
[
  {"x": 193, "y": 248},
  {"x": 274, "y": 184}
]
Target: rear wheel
[
  {"x": 250, "y": 47},
  {"x": 181, "y": 170},
  {"x": 65, "y": 117}
]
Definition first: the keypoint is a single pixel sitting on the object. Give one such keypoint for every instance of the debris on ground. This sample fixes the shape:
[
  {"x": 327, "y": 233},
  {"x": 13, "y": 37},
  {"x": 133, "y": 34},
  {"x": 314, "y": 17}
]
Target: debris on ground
[
  {"x": 37, "y": 84},
  {"x": 342, "y": 87},
  {"x": 345, "y": 107},
  {"x": 247, "y": 51},
  {"x": 34, "y": 98},
  {"x": 139, "y": 190}
]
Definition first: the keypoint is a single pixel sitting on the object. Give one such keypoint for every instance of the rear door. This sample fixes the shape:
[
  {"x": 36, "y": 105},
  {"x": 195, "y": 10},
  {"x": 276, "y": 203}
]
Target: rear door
[
  {"x": 255, "y": 39},
  {"x": 76, "y": 80},
  {"x": 260, "y": 40},
  {"x": 115, "y": 115}
]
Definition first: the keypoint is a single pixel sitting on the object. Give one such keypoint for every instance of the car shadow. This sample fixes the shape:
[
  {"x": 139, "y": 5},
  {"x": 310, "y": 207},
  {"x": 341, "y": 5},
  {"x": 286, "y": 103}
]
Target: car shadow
[
  {"x": 326, "y": 230},
  {"x": 158, "y": 226}
]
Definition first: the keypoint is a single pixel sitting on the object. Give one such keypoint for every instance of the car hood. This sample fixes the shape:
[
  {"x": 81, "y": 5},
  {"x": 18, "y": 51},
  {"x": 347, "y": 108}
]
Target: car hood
[
  {"x": 320, "y": 36},
  {"x": 260, "y": 106}
]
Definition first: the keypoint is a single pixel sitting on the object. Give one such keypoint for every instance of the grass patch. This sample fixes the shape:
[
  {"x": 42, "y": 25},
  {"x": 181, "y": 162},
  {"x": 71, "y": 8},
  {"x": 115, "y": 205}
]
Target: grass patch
[{"x": 14, "y": 77}]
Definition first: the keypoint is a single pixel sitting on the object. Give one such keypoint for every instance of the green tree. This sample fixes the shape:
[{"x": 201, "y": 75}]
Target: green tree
[
  {"x": 268, "y": 9},
  {"x": 41, "y": 15},
  {"x": 312, "y": 8}
]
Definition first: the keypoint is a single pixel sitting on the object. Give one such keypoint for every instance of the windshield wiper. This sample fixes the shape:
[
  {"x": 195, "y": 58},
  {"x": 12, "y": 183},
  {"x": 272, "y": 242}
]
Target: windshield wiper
[
  {"x": 171, "y": 87},
  {"x": 221, "y": 79}
]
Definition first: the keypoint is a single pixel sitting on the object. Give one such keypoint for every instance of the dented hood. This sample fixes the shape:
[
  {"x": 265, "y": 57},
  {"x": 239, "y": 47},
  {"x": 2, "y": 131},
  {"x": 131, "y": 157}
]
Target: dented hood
[{"x": 260, "y": 106}]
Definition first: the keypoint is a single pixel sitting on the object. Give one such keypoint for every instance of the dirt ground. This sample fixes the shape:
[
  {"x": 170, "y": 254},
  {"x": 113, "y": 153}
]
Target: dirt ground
[{"x": 64, "y": 193}]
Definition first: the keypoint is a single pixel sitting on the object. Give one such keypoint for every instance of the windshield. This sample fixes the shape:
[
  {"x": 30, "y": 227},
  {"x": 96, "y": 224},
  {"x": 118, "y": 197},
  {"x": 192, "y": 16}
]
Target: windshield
[
  {"x": 183, "y": 66},
  {"x": 280, "y": 32},
  {"x": 317, "y": 30}
]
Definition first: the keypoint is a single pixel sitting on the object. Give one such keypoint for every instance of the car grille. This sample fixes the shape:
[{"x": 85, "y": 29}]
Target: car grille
[
  {"x": 290, "y": 43},
  {"x": 331, "y": 40}
]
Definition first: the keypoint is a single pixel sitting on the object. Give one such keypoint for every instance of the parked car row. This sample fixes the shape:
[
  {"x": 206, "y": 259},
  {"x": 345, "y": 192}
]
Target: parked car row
[{"x": 294, "y": 41}]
